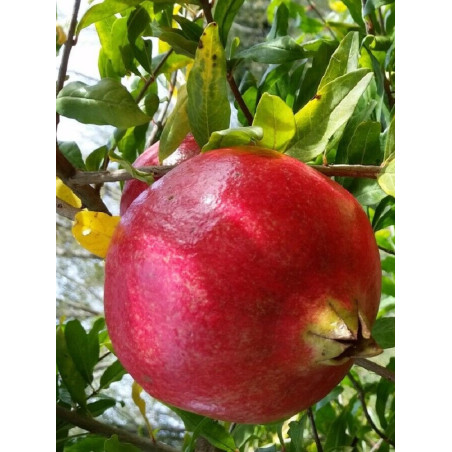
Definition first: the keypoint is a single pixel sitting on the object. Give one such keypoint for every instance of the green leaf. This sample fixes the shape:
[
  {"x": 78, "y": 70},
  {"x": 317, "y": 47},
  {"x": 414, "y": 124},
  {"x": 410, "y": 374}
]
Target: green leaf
[
  {"x": 191, "y": 29},
  {"x": 250, "y": 99},
  {"x": 384, "y": 215},
  {"x": 296, "y": 435},
  {"x": 223, "y": 15},
  {"x": 114, "y": 445},
  {"x": 386, "y": 178},
  {"x": 176, "y": 127},
  {"x": 72, "y": 152},
  {"x": 364, "y": 146},
  {"x": 72, "y": 378},
  {"x": 233, "y": 137},
  {"x": 105, "y": 103},
  {"x": 84, "y": 356},
  {"x": 135, "y": 173},
  {"x": 280, "y": 25},
  {"x": 89, "y": 443},
  {"x": 277, "y": 122},
  {"x": 100, "y": 406},
  {"x": 390, "y": 142},
  {"x": 210, "y": 429},
  {"x": 95, "y": 158},
  {"x": 337, "y": 433},
  {"x": 367, "y": 192},
  {"x": 208, "y": 105},
  {"x": 179, "y": 43},
  {"x": 151, "y": 104},
  {"x": 343, "y": 60},
  {"x": 133, "y": 142},
  {"x": 383, "y": 332},
  {"x": 320, "y": 118},
  {"x": 276, "y": 51},
  {"x": 103, "y": 10},
  {"x": 355, "y": 8},
  {"x": 112, "y": 373},
  {"x": 371, "y": 5},
  {"x": 385, "y": 391},
  {"x": 120, "y": 54}
]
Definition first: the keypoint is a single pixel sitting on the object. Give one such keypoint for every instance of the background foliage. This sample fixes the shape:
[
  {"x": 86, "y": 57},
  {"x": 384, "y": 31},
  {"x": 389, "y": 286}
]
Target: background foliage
[{"x": 316, "y": 81}]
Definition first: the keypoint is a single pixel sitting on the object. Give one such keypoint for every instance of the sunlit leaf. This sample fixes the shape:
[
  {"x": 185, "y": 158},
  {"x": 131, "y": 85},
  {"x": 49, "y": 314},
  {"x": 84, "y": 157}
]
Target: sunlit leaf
[
  {"x": 276, "y": 51},
  {"x": 208, "y": 105},
  {"x": 223, "y": 15},
  {"x": 104, "y": 9},
  {"x": 386, "y": 178},
  {"x": 67, "y": 195},
  {"x": 343, "y": 60},
  {"x": 233, "y": 137},
  {"x": 330, "y": 109},
  {"x": 105, "y": 103},
  {"x": 277, "y": 121},
  {"x": 93, "y": 230}
]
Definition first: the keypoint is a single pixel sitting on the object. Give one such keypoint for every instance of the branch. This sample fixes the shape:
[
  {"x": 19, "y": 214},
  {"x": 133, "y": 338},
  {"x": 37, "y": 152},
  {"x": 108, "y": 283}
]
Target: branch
[
  {"x": 88, "y": 195},
  {"x": 66, "y": 210},
  {"x": 376, "y": 368},
  {"x": 67, "y": 47},
  {"x": 94, "y": 177},
  {"x": 362, "y": 398},
  {"x": 314, "y": 430},
  {"x": 94, "y": 426}
]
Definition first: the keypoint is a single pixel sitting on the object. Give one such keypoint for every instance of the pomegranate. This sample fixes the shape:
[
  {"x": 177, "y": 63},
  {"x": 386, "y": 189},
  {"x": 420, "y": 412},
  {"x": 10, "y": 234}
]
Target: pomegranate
[
  {"x": 241, "y": 285},
  {"x": 150, "y": 157}
]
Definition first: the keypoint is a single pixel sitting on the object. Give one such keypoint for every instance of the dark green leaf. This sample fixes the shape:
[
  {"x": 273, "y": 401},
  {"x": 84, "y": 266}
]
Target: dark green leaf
[
  {"x": 72, "y": 152},
  {"x": 191, "y": 29},
  {"x": 176, "y": 127},
  {"x": 384, "y": 332},
  {"x": 99, "y": 406},
  {"x": 151, "y": 104},
  {"x": 296, "y": 434},
  {"x": 208, "y": 105},
  {"x": 114, "y": 445},
  {"x": 343, "y": 60},
  {"x": 86, "y": 444},
  {"x": 384, "y": 215},
  {"x": 133, "y": 142},
  {"x": 72, "y": 378},
  {"x": 320, "y": 118},
  {"x": 112, "y": 373},
  {"x": 333, "y": 395},
  {"x": 355, "y": 9},
  {"x": 136, "y": 23},
  {"x": 337, "y": 433},
  {"x": 179, "y": 43},
  {"x": 223, "y": 15},
  {"x": 385, "y": 389},
  {"x": 233, "y": 137},
  {"x": 105, "y": 9},
  {"x": 275, "y": 51},
  {"x": 280, "y": 25},
  {"x": 371, "y": 5},
  {"x": 95, "y": 158},
  {"x": 107, "y": 102},
  {"x": 364, "y": 146},
  {"x": 277, "y": 122},
  {"x": 83, "y": 356},
  {"x": 390, "y": 142},
  {"x": 387, "y": 286},
  {"x": 367, "y": 192},
  {"x": 250, "y": 99}
]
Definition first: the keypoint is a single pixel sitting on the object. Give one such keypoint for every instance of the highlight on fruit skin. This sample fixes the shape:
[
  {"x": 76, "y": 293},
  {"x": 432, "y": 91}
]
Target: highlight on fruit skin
[{"x": 241, "y": 285}]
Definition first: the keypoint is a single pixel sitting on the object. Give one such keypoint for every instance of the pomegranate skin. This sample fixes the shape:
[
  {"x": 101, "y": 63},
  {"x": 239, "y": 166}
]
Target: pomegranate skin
[
  {"x": 150, "y": 157},
  {"x": 216, "y": 274}
]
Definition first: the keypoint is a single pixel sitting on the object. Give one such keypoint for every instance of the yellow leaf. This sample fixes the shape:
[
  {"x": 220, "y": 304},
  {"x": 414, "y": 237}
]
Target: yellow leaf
[
  {"x": 141, "y": 404},
  {"x": 61, "y": 37},
  {"x": 66, "y": 194},
  {"x": 93, "y": 230}
]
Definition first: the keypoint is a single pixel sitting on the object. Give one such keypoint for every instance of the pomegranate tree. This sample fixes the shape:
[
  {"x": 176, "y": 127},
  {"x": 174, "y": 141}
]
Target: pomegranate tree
[{"x": 241, "y": 285}]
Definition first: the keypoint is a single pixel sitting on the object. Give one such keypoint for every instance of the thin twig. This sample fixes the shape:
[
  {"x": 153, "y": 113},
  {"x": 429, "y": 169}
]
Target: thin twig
[
  {"x": 67, "y": 47},
  {"x": 94, "y": 426},
  {"x": 66, "y": 210},
  {"x": 362, "y": 399},
  {"x": 319, "y": 14},
  {"x": 314, "y": 430},
  {"x": 376, "y": 368}
]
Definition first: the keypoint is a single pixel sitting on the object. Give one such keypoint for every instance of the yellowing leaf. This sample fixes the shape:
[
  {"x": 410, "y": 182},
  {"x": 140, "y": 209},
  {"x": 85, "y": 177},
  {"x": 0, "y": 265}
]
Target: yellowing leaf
[
  {"x": 141, "y": 404},
  {"x": 66, "y": 194},
  {"x": 386, "y": 178},
  {"x": 93, "y": 230},
  {"x": 337, "y": 6}
]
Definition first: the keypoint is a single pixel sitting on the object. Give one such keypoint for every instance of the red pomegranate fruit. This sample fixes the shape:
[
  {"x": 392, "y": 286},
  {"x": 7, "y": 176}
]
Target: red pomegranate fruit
[
  {"x": 150, "y": 157},
  {"x": 241, "y": 285}
]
